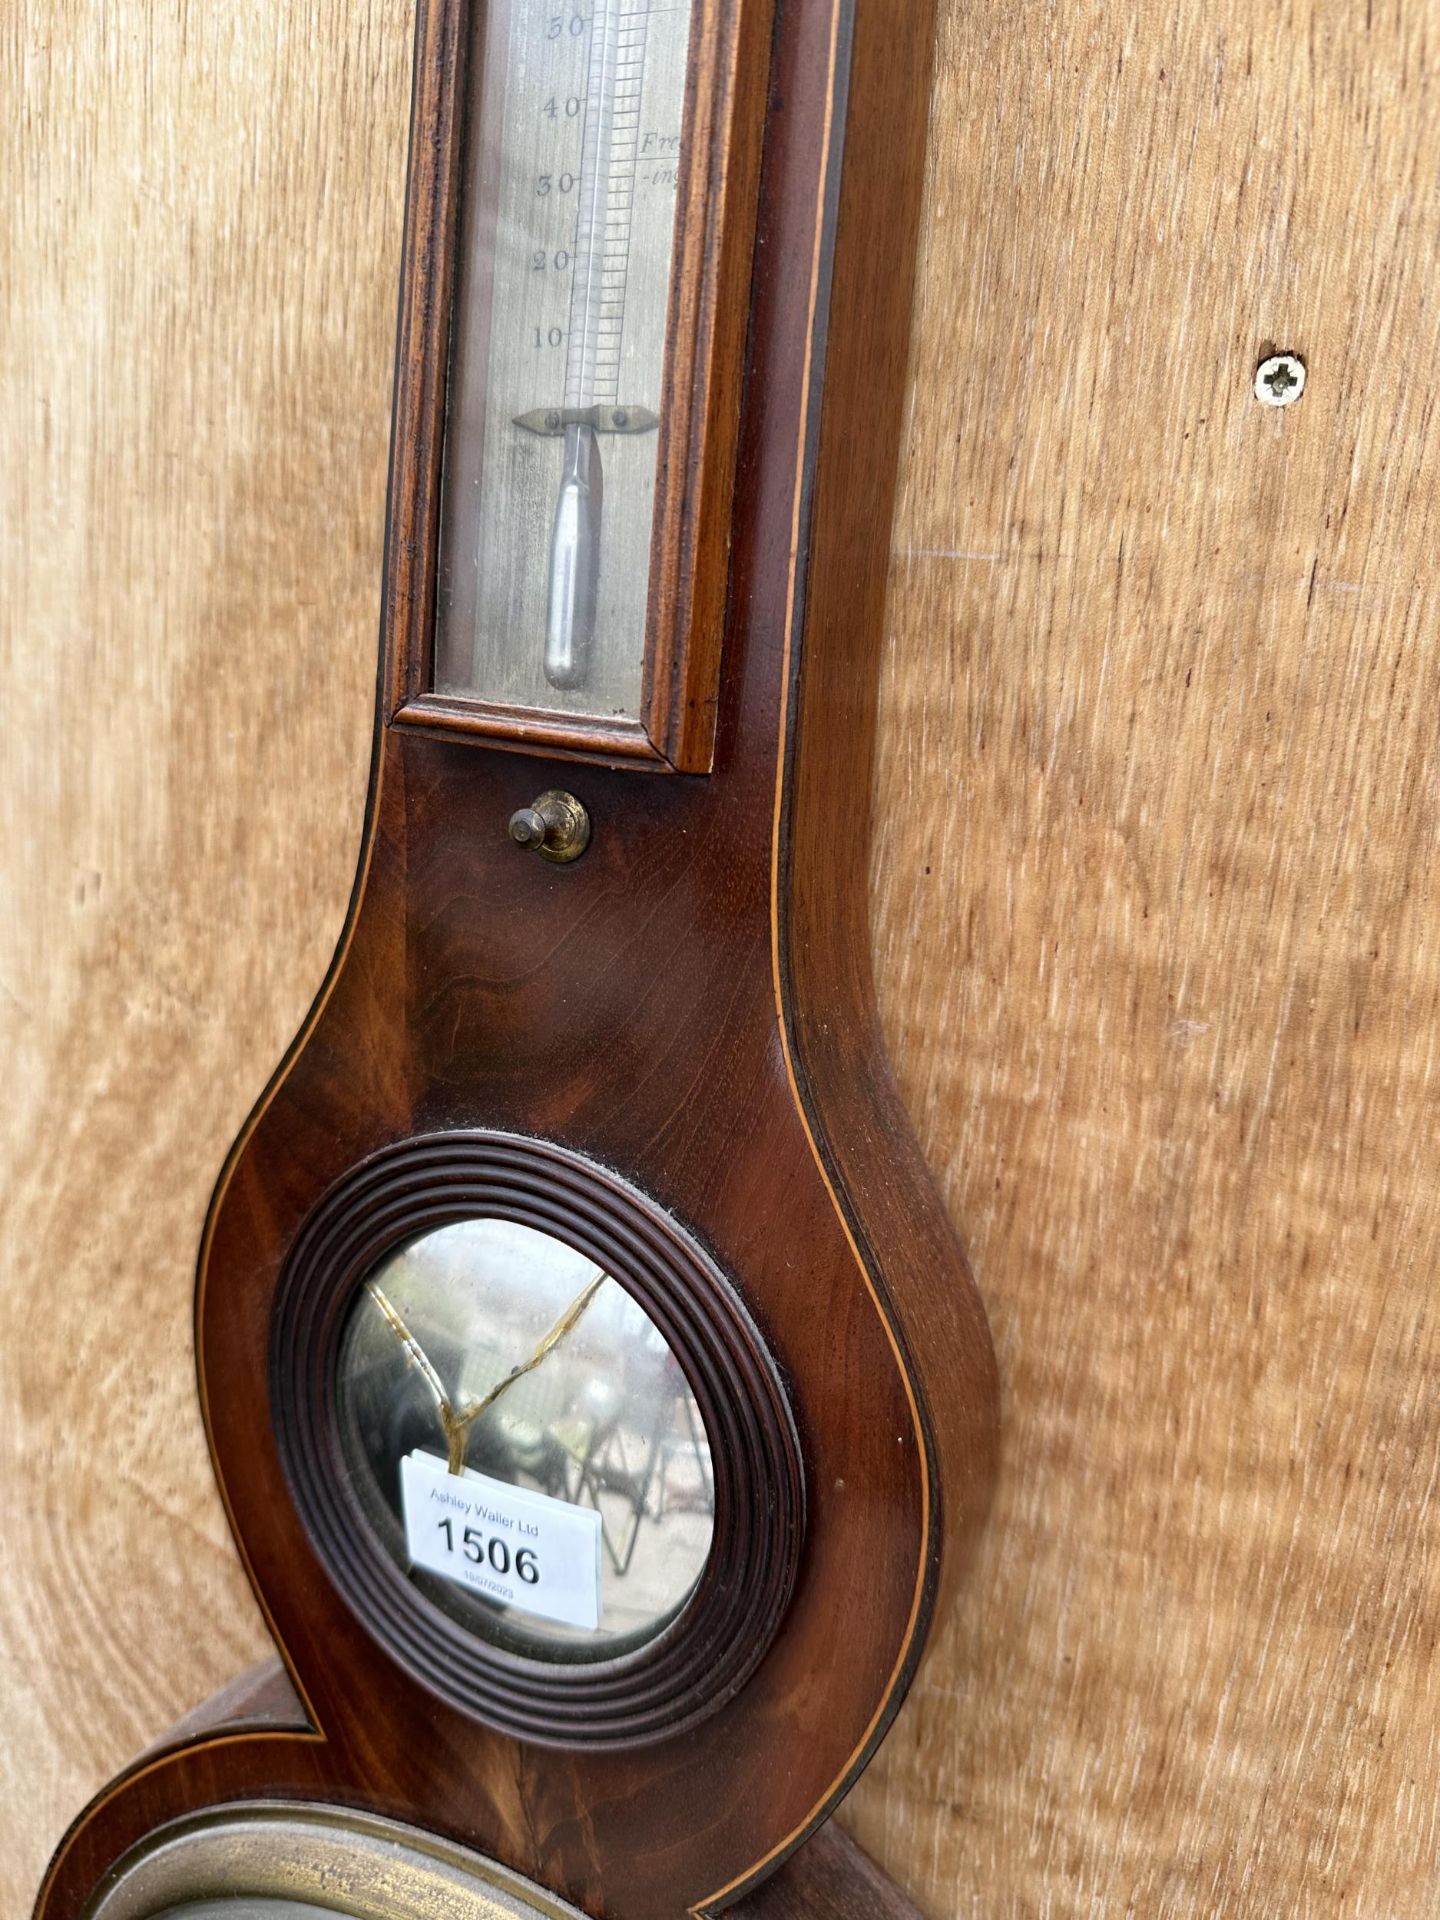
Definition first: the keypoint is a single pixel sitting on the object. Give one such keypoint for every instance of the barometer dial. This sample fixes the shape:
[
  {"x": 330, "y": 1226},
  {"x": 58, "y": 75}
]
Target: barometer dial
[{"x": 557, "y": 383}]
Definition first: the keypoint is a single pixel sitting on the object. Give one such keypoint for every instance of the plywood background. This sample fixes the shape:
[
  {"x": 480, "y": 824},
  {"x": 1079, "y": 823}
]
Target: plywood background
[{"x": 1155, "y": 913}]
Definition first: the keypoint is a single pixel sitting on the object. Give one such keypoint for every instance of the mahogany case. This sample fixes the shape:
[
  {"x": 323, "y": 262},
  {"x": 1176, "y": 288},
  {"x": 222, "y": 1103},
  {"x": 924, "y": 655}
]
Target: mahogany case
[{"x": 687, "y": 1011}]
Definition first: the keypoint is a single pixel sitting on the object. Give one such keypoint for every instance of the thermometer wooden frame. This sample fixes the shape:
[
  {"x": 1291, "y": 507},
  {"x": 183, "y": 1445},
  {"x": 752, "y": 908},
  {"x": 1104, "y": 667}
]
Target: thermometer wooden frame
[{"x": 715, "y": 223}]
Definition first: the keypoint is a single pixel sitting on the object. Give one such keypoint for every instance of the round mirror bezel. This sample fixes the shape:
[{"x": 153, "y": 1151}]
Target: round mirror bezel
[{"x": 704, "y": 1654}]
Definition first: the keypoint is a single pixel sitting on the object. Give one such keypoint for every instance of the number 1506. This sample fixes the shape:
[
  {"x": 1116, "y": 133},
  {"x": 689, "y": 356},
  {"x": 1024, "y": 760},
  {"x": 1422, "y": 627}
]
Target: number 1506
[{"x": 492, "y": 1553}]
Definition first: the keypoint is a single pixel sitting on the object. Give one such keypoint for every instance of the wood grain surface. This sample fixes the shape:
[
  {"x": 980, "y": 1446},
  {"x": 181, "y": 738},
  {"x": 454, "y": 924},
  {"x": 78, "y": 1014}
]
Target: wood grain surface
[
  {"x": 198, "y": 248},
  {"x": 830, "y": 1878},
  {"x": 1153, "y": 895}
]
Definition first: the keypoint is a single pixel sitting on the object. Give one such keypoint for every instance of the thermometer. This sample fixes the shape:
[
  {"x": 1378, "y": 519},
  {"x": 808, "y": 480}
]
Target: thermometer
[{"x": 551, "y": 582}]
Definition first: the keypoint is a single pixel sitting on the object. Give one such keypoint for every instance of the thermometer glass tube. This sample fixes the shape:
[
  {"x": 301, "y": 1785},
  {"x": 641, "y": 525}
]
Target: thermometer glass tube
[{"x": 556, "y": 401}]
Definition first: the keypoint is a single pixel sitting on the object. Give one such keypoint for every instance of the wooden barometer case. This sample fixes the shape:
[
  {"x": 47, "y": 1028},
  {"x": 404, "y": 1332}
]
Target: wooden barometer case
[{"x": 596, "y": 1388}]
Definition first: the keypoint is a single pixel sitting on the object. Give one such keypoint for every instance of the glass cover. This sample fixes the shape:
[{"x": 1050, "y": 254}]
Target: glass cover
[
  {"x": 568, "y": 232},
  {"x": 246, "y": 1906},
  {"x": 487, "y": 1348}
]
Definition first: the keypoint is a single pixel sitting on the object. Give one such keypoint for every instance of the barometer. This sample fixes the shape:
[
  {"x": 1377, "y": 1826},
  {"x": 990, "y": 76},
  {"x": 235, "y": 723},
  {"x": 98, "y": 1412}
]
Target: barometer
[{"x": 598, "y": 1394}]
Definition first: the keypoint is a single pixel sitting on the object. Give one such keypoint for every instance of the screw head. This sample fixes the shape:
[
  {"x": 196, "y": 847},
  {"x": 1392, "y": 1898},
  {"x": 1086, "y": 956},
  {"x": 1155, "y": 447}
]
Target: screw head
[{"x": 1280, "y": 380}]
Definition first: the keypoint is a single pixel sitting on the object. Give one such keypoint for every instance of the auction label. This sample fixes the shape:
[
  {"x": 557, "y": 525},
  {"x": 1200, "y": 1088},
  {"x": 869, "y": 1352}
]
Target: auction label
[{"x": 518, "y": 1547}]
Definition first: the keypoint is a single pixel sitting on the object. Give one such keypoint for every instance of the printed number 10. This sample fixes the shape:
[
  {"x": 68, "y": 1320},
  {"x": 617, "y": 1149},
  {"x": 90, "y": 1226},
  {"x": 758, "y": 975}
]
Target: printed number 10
[{"x": 495, "y": 1553}]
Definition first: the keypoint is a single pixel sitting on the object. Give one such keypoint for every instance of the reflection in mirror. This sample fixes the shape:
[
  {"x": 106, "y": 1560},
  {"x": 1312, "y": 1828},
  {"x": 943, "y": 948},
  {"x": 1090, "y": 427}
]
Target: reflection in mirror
[{"x": 502, "y": 1379}]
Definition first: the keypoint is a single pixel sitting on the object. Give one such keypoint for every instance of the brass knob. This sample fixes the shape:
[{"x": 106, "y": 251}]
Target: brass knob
[
  {"x": 527, "y": 827},
  {"x": 556, "y": 827}
]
